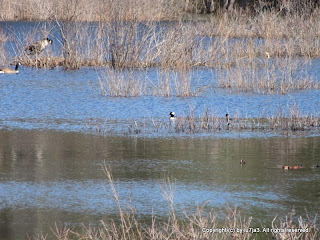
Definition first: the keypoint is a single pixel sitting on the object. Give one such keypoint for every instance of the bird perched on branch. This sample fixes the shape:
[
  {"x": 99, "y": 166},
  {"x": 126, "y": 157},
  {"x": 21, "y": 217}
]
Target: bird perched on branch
[
  {"x": 38, "y": 47},
  {"x": 9, "y": 70}
]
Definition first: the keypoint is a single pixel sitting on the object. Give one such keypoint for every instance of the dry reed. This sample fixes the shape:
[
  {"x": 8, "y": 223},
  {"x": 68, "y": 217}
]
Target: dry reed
[
  {"x": 116, "y": 83},
  {"x": 286, "y": 121},
  {"x": 81, "y": 10},
  {"x": 200, "y": 225},
  {"x": 133, "y": 83},
  {"x": 277, "y": 76}
]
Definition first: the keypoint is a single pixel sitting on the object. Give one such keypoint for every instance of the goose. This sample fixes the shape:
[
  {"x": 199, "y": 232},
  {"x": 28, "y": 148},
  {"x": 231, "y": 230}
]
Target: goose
[
  {"x": 172, "y": 116},
  {"x": 9, "y": 70},
  {"x": 38, "y": 47}
]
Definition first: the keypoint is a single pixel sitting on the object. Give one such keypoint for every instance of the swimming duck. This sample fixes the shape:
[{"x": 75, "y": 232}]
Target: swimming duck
[
  {"x": 172, "y": 116},
  {"x": 38, "y": 47},
  {"x": 286, "y": 167},
  {"x": 9, "y": 70}
]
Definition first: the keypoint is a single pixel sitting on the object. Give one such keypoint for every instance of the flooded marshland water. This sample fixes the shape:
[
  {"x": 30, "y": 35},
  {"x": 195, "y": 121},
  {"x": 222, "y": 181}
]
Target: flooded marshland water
[
  {"x": 50, "y": 177},
  {"x": 51, "y": 163}
]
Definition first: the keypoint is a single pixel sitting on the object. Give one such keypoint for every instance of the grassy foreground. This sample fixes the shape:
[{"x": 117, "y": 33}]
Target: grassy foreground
[{"x": 201, "y": 225}]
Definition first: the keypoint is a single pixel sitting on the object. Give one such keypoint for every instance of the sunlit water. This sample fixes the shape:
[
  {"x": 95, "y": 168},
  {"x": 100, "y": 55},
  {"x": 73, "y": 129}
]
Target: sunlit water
[
  {"x": 49, "y": 176},
  {"x": 65, "y": 100}
]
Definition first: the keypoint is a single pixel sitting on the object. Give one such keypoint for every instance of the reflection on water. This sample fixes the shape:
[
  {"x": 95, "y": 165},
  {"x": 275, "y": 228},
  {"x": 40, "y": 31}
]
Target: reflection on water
[{"x": 50, "y": 176}]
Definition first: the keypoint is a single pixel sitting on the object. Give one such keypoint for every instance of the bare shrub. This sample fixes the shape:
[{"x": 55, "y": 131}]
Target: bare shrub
[{"x": 130, "y": 44}]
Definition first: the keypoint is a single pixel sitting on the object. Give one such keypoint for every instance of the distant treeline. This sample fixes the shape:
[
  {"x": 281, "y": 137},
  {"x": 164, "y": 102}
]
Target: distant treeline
[{"x": 106, "y": 10}]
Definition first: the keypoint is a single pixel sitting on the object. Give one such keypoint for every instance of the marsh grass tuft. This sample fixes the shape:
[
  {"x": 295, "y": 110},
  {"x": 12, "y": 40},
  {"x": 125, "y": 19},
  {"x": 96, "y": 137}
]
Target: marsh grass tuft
[
  {"x": 133, "y": 83},
  {"x": 295, "y": 121},
  {"x": 286, "y": 121},
  {"x": 267, "y": 76},
  {"x": 115, "y": 83}
]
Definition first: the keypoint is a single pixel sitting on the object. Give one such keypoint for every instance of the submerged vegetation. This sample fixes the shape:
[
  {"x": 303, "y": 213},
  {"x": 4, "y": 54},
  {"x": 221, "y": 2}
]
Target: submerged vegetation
[
  {"x": 287, "y": 121},
  {"x": 202, "y": 224}
]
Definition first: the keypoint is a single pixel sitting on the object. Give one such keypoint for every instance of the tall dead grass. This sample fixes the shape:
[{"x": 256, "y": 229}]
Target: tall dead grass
[
  {"x": 294, "y": 121},
  {"x": 132, "y": 83},
  {"x": 267, "y": 76},
  {"x": 3, "y": 52},
  {"x": 97, "y": 10},
  {"x": 200, "y": 225},
  {"x": 115, "y": 83},
  {"x": 266, "y": 52}
]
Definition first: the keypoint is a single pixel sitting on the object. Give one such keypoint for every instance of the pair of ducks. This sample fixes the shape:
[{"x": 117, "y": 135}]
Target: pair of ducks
[{"x": 33, "y": 49}]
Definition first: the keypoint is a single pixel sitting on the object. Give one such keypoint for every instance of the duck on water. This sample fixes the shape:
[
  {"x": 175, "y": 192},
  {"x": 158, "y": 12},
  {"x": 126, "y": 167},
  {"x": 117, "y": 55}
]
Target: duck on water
[{"x": 9, "y": 70}]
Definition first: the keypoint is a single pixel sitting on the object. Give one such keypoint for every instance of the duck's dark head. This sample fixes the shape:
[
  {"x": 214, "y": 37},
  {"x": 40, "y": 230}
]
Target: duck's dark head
[
  {"x": 49, "y": 40},
  {"x": 17, "y": 65},
  {"x": 172, "y": 114}
]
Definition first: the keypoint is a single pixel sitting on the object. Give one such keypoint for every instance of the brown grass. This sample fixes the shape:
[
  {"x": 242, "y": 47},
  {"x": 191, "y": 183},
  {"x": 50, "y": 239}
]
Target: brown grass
[
  {"x": 267, "y": 76},
  {"x": 296, "y": 121},
  {"x": 115, "y": 83},
  {"x": 192, "y": 226},
  {"x": 82, "y": 10},
  {"x": 133, "y": 83}
]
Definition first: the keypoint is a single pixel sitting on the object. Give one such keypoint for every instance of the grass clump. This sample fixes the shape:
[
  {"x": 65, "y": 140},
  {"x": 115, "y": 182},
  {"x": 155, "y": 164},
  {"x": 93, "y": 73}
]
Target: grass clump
[
  {"x": 133, "y": 83},
  {"x": 116, "y": 83},
  {"x": 267, "y": 76}
]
